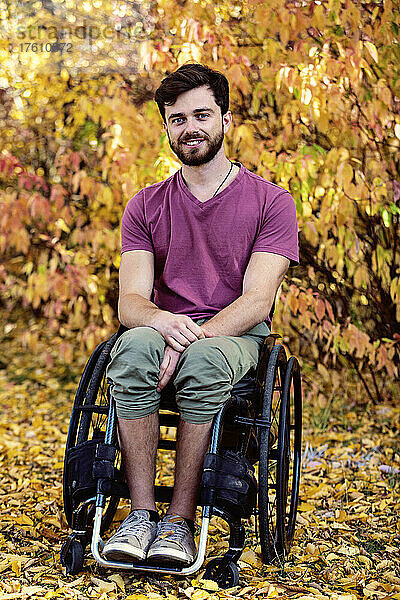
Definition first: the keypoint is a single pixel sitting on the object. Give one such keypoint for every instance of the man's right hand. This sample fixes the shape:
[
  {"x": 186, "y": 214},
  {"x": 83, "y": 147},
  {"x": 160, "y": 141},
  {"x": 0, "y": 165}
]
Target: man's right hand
[{"x": 179, "y": 331}]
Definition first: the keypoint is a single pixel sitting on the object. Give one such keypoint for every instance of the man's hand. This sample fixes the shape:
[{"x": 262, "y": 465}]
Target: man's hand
[
  {"x": 167, "y": 367},
  {"x": 206, "y": 331},
  {"x": 170, "y": 360},
  {"x": 179, "y": 331}
]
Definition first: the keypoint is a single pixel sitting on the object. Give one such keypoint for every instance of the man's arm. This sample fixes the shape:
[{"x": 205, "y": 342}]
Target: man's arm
[
  {"x": 136, "y": 280},
  {"x": 263, "y": 276}
]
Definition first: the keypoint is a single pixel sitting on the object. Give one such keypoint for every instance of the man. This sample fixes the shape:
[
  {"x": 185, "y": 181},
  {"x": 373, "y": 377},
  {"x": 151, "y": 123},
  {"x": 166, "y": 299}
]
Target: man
[{"x": 203, "y": 254}]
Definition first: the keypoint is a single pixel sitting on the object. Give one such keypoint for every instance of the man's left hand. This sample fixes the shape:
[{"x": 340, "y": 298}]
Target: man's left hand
[{"x": 167, "y": 366}]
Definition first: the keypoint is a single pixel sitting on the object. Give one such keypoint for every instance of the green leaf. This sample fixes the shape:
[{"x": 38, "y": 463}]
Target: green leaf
[
  {"x": 319, "y": 149},
  {"x": 386, "y": 217},
  {"x": 305, "y": 190}
]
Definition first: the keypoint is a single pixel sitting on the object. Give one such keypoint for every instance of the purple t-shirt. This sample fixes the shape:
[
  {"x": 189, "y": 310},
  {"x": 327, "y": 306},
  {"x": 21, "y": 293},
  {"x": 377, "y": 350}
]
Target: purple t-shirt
[{"x": 202, "y": 249}]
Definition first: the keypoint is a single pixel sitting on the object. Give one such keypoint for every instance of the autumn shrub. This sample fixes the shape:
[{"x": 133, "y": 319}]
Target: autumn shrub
[{"x": 315, "y": 93}]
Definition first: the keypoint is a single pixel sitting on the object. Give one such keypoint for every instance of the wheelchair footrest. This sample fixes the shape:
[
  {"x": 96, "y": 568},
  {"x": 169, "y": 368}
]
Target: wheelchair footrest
[{"x": 229, "y": 483}]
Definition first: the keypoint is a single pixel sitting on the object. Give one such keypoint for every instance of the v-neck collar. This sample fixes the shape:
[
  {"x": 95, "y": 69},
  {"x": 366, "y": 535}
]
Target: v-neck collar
[{"x": 218, "y": 196}]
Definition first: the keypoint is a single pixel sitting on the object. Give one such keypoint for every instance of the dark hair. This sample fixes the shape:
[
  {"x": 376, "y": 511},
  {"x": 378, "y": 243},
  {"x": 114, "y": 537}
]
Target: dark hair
[{"x": 188, "y": 77}]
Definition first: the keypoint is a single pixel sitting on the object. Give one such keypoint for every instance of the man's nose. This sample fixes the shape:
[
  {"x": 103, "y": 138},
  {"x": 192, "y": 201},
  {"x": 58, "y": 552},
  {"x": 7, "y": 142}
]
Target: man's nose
[{"x": 192, "y": 127}]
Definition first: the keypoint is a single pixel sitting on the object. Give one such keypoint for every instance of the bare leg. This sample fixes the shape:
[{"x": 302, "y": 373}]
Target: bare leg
[
  {"x": 192, "y": 444},
  {"x": 139, "y": 439}
]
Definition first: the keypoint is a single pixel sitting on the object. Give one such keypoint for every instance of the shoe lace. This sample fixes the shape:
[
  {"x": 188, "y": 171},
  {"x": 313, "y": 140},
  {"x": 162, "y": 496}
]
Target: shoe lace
[
  {"x": 136, "y": 525},
  {"x": 177, "y": 530}
]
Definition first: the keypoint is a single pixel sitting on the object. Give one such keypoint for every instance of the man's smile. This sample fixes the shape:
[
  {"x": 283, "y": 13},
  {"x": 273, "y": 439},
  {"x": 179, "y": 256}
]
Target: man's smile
[{"x": 193, "y": 143}]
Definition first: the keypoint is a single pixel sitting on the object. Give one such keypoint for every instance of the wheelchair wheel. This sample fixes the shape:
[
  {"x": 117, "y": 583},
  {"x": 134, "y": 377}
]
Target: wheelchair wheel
[
  {"x": 280, "y": 455},
  {"x": 87, "y": 426},
  {"x": 72, "y": 557},
  {"x": 226, "y": 576},
  {"x": 289, "y": 453}
]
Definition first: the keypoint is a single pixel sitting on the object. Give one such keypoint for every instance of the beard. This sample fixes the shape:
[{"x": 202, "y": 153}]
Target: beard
[{"x": 194, "y": 157}]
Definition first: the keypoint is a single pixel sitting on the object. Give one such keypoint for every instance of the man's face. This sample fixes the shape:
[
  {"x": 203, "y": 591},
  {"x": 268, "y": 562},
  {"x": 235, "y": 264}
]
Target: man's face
[{"x": 195, "y": 117}]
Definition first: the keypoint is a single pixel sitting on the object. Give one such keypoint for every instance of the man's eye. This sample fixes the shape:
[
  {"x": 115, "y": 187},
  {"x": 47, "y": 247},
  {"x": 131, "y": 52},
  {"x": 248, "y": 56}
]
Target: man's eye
[{"x": 179, "y": 119}]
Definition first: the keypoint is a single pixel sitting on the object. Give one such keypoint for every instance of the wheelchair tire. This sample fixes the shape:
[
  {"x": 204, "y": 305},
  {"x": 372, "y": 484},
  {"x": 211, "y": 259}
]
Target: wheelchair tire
[
  {"x": 226, "y": 577},
  {"x": 289, "y": 454},
  {"x": 96, "y": 394},
  {"x": 280, "y": 456},
  {"x": 87, "y": 424},
  {"x": 270, "y": 531}
]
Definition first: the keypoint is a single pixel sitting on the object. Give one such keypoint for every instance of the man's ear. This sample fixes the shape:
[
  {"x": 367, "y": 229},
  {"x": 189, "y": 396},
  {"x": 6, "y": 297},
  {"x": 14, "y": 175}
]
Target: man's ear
[{"x": 227, "y": 121}]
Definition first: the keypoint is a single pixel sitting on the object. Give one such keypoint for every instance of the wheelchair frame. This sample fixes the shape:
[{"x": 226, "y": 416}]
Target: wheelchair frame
[{"x": 264, "y": 416}]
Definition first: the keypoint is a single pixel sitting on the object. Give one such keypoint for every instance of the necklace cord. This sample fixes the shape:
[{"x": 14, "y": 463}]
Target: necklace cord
[{"x": 216, "y": 191}]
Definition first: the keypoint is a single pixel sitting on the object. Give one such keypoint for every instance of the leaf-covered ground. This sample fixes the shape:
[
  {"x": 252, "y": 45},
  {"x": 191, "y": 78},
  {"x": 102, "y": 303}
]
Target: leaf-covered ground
[{"x": 347, "y": 538}]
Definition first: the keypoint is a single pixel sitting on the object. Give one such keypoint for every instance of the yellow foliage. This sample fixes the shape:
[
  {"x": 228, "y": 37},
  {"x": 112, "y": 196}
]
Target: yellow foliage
[{"x": 314, "y": 109}]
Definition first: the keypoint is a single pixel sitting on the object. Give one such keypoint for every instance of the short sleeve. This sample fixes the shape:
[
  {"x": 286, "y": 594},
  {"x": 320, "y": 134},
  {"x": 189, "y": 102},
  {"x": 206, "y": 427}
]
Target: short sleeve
[
  {"x": 135, "y": 234},
  {"x": 279, "y": 231}
]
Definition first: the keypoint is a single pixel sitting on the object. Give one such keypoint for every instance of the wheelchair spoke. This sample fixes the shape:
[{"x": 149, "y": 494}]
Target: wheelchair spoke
[
  {"x": 275, "y": 415},
  {"x": 103, "y": 401},
  {"x": 272, "y": 516},
  {"x": 273, "y": 505}
]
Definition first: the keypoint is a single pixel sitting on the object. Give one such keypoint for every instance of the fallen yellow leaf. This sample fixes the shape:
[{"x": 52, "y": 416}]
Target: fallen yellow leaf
[
  {"x": 306, "y": 507},
  {"x": 348, "y": 550},
  {"x": 209, "y": 584},
  {"x": 16, "y": 567},
  {"x": 200, "y": 595},
  {"x": 119, "y": 581},
  {"x": 332, "y": 556},
  {"x": 104, "y": 586},
  {"x": 251, "y": 558}
]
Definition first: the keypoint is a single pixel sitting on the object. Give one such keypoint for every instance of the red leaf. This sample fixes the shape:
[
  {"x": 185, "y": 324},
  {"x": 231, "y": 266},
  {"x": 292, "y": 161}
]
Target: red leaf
[{"x": 320, "y": 309}]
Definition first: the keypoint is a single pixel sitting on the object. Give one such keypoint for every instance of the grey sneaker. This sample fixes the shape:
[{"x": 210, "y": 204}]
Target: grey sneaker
[
  {"x": 174, "y": 544},
  {"x": 133, "y": 538}
]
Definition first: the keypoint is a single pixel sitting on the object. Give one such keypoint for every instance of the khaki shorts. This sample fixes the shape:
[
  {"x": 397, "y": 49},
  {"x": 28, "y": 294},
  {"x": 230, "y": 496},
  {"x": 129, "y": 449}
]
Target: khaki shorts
[{"x": 203, "y": 377}]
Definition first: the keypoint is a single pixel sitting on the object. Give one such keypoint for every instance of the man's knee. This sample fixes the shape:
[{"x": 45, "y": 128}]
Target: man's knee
[
  {"x": 138, "y": 341},
  {"x": 202, "y": 382},
  {"x": 203, "y": 359},
  {"x": 133, "y": 371}
]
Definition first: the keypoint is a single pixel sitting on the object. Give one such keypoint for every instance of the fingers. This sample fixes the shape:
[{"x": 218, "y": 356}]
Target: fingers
[
  {"x": 208, "y": 334},
  {"x": 167, "y": 368},
  {"x": 188, "y": 333},
  {"x": 163, "y": 367},
  {"x": 176, "y": 345},
  {"x": 197, "y": 330},
  {"x": 162, "y": 381}
]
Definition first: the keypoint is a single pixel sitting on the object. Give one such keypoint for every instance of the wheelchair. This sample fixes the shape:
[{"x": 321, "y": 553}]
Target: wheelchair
[{"x": 252, "y": 467}]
